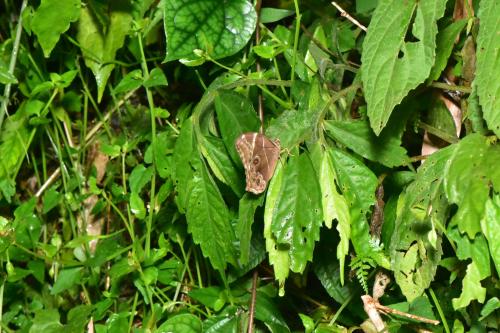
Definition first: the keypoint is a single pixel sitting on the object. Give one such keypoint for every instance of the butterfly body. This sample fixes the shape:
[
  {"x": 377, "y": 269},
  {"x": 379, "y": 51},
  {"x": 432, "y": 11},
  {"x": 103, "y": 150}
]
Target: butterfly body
[{"x": 259, "y": 155}]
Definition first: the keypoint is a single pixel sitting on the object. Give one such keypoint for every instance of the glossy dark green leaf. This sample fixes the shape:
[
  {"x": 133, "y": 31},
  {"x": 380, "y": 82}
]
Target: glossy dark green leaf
[
  {"x": 468, "y": 178},
  {"x": 358, "y": 136},
  {"x": 212, "y": 297},
  {"x": 236, "y": 116},
  {"x": 182, "y": 323},
  {"x": 248, "y": 205},
  {"x": 99, "y": 44},
  {"x": 267, "y": 312},
  {"x": 220, "y": 163},
  {"x": 208, "y": 218},
  {"x": 297, "y": 216},
  {"x": 66, "y": 279},
  {"x": 51, "y": 19},
  {"x": 489, "y": 307},
  {"x": 219, "y": 28}
]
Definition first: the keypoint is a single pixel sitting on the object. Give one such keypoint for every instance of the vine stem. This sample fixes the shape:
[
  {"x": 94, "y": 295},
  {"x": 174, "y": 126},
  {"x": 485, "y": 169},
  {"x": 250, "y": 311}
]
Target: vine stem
[{"x": 12, "y": 65}]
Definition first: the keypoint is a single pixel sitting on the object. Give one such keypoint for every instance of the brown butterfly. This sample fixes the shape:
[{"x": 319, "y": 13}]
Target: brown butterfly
[{"x": 259, "y": 155}]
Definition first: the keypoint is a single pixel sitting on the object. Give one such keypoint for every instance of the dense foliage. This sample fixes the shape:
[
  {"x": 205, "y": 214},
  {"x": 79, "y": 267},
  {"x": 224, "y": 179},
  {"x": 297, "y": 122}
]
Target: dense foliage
[{"x": 122, "y": 196}]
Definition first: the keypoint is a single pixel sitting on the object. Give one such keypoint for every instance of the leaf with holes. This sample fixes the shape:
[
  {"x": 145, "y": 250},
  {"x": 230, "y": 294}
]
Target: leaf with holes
[
  {"x": 420, "y": 207},
  {"x": 220, "y": 28},
  {"x": 392, "y": 67},
  {"x": 297, "y": 216}
]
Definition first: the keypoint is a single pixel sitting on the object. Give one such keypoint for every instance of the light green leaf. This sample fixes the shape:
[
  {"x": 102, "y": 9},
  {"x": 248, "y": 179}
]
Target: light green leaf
[
  {"x": 220, "y": 28},
  {"x": 139, "y": 177},
  {"x": 445, "y": 41},
  {"x": 248, "y": 205},
  {"x": 5, "y": 76},
  {"x": 297, "y": 215},
  {"x": 66, "y": 279},
  {"x": 208, "y": 218},
  {"x": 489, "y": 307},
  {"x": 137, "y": 206},
  {"x": 392, "y": 67},
  {"x": 471, "y": 288},
  {"x": 357, "y": 184},
  {"x": 414, "y": 258},
  {"x": 47, "y": 321},
  {"x": 182, "y": 323},
  {"x": 278, "y": 256},
  {"x": 335, "y": 207},
  {"x": 270, "y": 15},
  {"x": 51, "y": 19},
  {"x": 358, "y": 136},
  {"x": 156, "y": 78},
  {"x": 490, "y": 225},
  {"x": 131, "y": 81},
  {"x": 488, "y": 62},
  {"x": 475, "y": 249},
  {"x": 99, "y": 43},
  {"x": 468, "y": 175}
]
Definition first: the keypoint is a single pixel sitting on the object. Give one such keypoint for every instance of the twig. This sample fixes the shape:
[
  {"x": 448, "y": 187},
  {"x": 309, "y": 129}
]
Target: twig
[
  {"x": 387, "y": 310},
  {"x": 251, "y": 310},
  {"x": 12, "y": 65},
  {"x": 349, "y": 17},
  {"x": 450, "y": 87},
  {"x": 88, "y": 138}
]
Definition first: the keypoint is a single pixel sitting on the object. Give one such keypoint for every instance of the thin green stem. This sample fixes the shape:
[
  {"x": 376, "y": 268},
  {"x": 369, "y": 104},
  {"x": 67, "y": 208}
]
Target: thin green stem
[
  {"x": 440, "y": 311},
  {"x": 445, "y": 86},
  {"x": 12, "y": 65},
  {"x": 296, "y": 39}
]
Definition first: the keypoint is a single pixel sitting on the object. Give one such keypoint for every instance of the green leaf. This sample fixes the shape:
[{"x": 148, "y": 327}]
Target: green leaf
[
  {"x": 156, "y": 78},
  {"x": 210, "y": 297},
  {"x": 236, "y": 115},
  {"x": 220, "y": 28},
  {"x": 131, "y": 81},
  {"x": 471, "y": 288},
  {"x": 278, "y": 256},
  {"x": 267, "y": 312},
  {"x": 100, "y": 43},
  {"x": 468, "y": 175},
  {"x": 66, "y": 279},
  {"x": 488, "y": 62},
  {"x": 137, "y": 206},
  {"x": 357, "y": 184},
  {"x": 490, "y": 225},
  {"x": 5, "y": 76},
  {"x": 357, "y": 135},
  {"x": 391, "y": 67},
  {"x": 14, "y": 143},
  {"x": 294, "y": 126},
  {"x": 297, "y": 214},
  {"x": 445, "y": 41},
  {"x": 335, "y": 207},
  {"x": 51, "y": 199},
  {"x": 248, "y": 205},
  {"x": 208, "y": 218},
  {"x": 271, "y": 15},
  {"x": 139, "y": 177},
  {"x": 46, "y": 320},
  {"x": 476, "y": 249},
  {"x": 215, "y": 153},
  {"x": 182, "y": 323},
  {"x": 51, "y": 19},
  {"x": 414, "y": 256},
  {"x": 489, "y": 307},
  {"x": 183, "y": 172}
]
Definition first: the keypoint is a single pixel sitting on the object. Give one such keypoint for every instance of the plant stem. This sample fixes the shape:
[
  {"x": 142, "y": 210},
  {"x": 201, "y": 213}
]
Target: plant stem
[{"x": 12, "y": 65}]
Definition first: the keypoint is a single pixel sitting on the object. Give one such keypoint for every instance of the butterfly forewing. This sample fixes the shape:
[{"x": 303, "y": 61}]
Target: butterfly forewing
[{"x": 259, "y": 156}]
